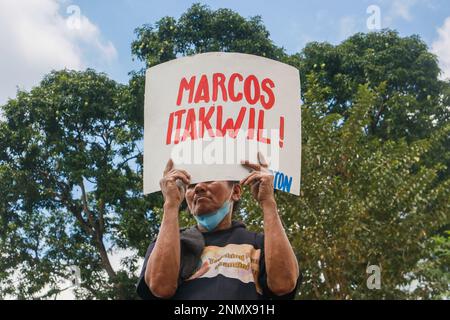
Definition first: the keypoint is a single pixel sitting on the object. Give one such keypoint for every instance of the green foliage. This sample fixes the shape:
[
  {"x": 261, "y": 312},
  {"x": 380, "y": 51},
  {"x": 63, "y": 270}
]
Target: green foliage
[
  {"x": 71, "y": 170},
  {"x": 200, "y": 30},
  {"x": 375, "y": 183},
  {"x": 432, "y": 273},
  {"x": 363, "y": 202},
  {"x": 410, "y": 103}
]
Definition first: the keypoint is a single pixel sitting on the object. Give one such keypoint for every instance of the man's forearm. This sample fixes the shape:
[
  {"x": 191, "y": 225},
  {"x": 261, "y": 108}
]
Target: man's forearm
[
  {"x": 163, "y": 265},
  {"x": 281, "y": 262}
]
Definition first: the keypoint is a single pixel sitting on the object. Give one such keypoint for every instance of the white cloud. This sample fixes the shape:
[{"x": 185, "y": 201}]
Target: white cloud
[
  {"x": 441, "y": 47},
  {"x": 115, "y": 258},
  {"x": 38, "y": 36}
]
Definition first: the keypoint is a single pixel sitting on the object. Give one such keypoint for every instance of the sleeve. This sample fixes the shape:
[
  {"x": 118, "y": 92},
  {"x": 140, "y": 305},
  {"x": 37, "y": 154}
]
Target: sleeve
[
  {"x": 267, "y": 293},
  {"x": 142, "y": 289}
]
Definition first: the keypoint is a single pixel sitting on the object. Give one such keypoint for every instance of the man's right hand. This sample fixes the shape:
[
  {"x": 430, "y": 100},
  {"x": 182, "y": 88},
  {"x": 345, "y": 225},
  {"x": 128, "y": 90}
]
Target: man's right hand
[{"x": 174, "y": 193}]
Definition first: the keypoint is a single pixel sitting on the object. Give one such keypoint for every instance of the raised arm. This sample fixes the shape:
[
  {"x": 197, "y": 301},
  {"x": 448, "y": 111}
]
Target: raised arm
[
  {"x": 163, "y": 265},
  {"x": 281, "y": 262}
]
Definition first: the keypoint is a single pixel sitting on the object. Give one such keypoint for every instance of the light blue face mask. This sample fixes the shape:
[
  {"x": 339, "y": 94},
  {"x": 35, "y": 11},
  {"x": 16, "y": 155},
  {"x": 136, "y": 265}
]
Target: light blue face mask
[{"x": 211, "y": 220}]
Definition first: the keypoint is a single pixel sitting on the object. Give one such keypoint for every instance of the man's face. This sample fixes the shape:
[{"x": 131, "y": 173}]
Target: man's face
[{"x": 205, "y": 197}]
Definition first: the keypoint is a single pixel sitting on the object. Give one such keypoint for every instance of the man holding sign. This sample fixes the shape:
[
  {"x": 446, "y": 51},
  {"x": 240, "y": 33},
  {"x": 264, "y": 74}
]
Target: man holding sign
[
  {"x": 233, "y": 263},
  {"x": 216, "y": 116}
]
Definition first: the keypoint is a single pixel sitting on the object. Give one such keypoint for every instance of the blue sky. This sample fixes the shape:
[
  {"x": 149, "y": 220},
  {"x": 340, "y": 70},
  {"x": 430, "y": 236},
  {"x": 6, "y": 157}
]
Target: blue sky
[
  {"x": 290, "y": 23},
  {"x": 40, "y": 35},
  {"x": 36, "y": 35}
]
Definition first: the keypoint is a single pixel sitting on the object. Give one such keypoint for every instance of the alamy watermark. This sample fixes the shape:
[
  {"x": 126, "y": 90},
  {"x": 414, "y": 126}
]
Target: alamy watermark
[
  {"x": 374, "y": 279},
  {"x": 230, "y": 148},
  {"x": 75, "y": 276},
  {"x": 74, "y": 19},
  {"x": 373, "y": 22}
]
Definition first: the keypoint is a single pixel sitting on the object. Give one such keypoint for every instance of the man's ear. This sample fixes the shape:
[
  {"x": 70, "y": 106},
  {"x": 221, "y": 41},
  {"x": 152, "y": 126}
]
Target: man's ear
[{"x": 237, "y": 192}]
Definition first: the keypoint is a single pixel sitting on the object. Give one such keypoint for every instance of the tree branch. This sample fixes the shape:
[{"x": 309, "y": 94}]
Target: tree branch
[
  {"x": 120, "y": 165},
  {"x": 66, "y": 198},
  {"x": 102, "y": 211},
  {"x": 106, "y": 264}
]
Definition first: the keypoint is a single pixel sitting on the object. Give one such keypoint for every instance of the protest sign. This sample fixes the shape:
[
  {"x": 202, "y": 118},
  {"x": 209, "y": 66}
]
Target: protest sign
[{"x": 210, "y": 111}]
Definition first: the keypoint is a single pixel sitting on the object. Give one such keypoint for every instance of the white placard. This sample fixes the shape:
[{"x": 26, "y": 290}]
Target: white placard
[{"x": 210, "y": 111}]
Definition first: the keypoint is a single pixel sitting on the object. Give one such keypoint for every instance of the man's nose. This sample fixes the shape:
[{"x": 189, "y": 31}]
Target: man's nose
[{"x": 200, "y": 187}]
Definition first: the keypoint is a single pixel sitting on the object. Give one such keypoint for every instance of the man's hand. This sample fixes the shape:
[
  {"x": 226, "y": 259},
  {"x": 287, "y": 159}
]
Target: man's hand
[
  {"x": 281, "y": 262},
  {"x": 173, "y": 184},
  {"x": 260, "y": 180}
]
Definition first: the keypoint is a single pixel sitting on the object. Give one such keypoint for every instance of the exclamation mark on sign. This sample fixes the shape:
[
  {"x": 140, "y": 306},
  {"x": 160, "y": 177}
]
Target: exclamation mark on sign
[{"x": 281, "y": 132}]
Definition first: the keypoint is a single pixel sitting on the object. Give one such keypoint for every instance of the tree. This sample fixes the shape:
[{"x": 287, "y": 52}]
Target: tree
[
  {"x": 364, "y": 201},
  {"x": 412, "y": 100},
  {"x": 198, "y": 30},
  {"x": 71, "y": 187},
  {"x": 375, "y": 166}
]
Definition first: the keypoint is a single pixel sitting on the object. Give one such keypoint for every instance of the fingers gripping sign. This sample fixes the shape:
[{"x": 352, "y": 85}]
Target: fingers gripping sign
[
  {"x": 260, "y": 180},
  {"x": 173, "y": 183}
]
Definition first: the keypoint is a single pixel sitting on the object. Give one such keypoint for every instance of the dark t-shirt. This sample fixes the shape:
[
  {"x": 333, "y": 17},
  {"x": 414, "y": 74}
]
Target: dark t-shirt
[{"x": 232, "y": 267}]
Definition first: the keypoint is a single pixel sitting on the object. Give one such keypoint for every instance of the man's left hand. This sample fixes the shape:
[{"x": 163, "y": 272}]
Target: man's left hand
[{"x": 260, "y": 180}]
